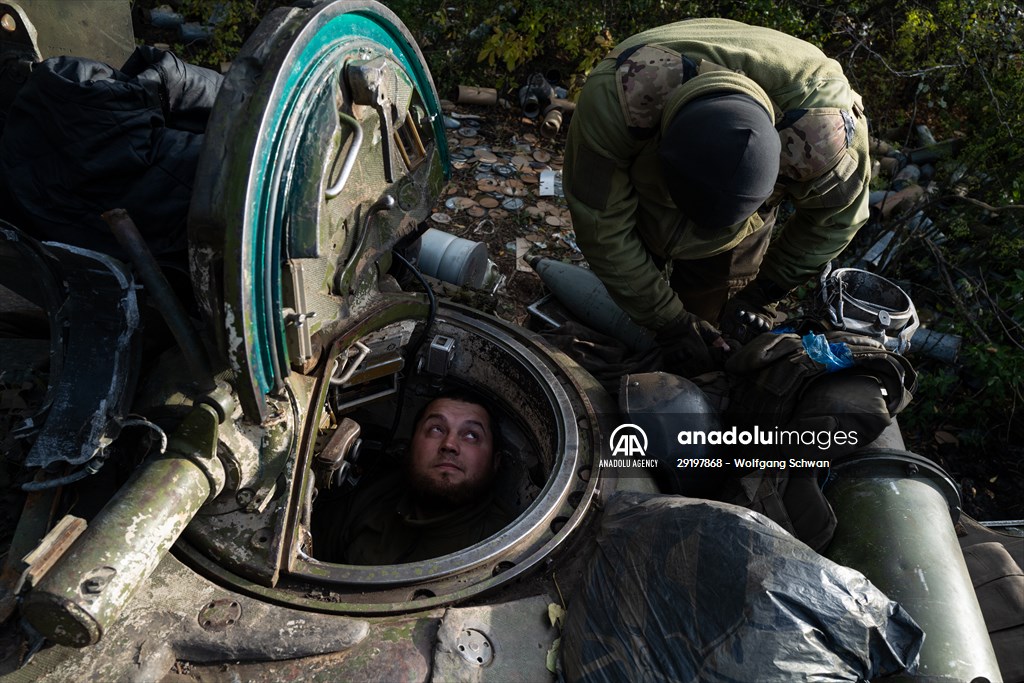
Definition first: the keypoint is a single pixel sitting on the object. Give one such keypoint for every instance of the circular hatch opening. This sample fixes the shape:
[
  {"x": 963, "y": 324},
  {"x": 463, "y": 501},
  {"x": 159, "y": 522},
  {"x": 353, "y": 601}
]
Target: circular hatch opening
[{"x": 548, "y": 420}]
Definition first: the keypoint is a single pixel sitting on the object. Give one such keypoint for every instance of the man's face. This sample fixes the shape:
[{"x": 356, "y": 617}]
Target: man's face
[{"x": 452, "y": 460}]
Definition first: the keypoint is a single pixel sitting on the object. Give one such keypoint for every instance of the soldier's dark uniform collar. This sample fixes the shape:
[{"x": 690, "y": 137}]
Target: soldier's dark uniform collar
[{"x": 406, "y": 510}]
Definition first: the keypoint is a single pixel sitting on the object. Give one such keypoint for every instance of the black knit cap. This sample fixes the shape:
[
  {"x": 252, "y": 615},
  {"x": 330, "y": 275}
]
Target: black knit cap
[{"x": 720, "y": 157}]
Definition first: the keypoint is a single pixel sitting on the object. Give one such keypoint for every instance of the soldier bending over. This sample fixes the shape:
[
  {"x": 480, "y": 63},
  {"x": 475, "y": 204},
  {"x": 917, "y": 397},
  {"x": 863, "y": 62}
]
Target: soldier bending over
[{"x": 685, "y": 141}]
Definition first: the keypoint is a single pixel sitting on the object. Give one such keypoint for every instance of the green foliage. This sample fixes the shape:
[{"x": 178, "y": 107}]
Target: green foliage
[
  {"x": 479, "y": 43},
  {"x": 999, "y": 370},
  {"x": 930, "y": 409},
  {"x": 971, "y": 50},
  {"x": 982, "y": 399},
  {"x": 526, "y": 35},
  {"x": 955, "y": 65},
  {"x": 913, "y": 37},
  {"x": 230, "y": 23},
  {"x": 972, "y": 287}
]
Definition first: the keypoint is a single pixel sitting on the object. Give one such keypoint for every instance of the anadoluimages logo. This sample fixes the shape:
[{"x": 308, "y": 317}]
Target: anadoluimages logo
[{"x": 628, "y": 440}]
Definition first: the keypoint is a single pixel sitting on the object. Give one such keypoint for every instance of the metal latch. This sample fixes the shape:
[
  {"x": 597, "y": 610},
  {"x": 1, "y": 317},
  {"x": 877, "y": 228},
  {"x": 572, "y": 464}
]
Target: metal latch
[
  {"x": 439, "y": 355},
  {"x": 369, "y": 80}
]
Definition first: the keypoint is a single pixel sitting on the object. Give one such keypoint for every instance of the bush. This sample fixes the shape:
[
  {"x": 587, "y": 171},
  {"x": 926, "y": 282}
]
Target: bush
[{"x": 229, "y": 22}]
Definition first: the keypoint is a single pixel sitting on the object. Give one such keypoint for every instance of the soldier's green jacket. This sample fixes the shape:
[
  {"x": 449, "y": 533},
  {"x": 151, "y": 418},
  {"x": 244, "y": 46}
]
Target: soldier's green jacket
[{"x": 621, "y": 208}]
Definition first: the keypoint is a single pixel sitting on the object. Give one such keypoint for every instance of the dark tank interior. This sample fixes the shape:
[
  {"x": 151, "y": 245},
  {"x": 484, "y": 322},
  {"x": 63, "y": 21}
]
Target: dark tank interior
[{"x": 380, "y": 381}]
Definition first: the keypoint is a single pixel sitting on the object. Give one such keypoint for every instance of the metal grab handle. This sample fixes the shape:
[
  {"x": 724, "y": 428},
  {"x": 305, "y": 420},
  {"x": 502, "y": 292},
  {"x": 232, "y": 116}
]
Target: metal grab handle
[
  {"x": 349, "y": 369},
  {"x": 350, "y": 158}
]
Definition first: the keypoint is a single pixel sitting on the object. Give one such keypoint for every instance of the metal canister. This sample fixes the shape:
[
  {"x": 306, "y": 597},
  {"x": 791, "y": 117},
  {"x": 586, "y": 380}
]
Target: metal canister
[{"x": 896, "y": 512}]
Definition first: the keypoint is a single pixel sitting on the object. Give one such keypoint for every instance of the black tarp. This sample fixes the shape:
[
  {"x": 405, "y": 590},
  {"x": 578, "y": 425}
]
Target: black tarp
[
  {"x": 83, "y": 137},
  {"x": 681, "y": 589}
]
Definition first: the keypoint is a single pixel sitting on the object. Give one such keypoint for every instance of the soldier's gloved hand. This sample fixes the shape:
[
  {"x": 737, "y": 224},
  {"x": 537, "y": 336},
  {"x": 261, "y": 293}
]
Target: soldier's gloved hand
[
  {"x": 751, "y": 312},
  {"x": 689, "y": 345}
]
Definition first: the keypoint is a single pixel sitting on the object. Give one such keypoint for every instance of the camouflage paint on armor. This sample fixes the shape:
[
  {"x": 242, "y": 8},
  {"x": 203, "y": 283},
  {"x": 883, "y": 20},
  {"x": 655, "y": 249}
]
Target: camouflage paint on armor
[
  {"x": 646, "y": 77},
  {"x": 813, "y": 142}
]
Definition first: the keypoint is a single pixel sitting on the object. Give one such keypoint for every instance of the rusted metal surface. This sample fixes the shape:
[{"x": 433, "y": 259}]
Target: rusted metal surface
[
  {"x": 83, "y": 595},
  {"x": 166, "y": 623}
]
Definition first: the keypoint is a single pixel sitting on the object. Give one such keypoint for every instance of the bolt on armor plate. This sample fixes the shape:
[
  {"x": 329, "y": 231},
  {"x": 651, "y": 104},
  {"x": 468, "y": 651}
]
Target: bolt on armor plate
[
  {"x": 217, "y": 615},
  {"x": 475, "y": 647}
]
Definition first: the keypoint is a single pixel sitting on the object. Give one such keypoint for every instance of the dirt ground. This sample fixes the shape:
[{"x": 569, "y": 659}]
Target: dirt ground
[{"x": 495, "y": 197}]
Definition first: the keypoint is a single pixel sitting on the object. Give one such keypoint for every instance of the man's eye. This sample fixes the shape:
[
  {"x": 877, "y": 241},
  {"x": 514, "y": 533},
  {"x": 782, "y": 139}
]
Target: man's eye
[
  {"x": 472, "y": 436},
  {"x": 434, "y": 429}
]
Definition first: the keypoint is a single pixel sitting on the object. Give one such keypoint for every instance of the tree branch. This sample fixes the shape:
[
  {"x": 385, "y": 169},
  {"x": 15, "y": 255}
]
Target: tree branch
[
  {"x": 957, "y": 301},
  {"x": 1000, "y": 313}
]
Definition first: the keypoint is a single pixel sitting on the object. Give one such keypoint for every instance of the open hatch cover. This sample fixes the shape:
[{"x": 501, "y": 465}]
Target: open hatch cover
[{"x": 321, "y": 152}]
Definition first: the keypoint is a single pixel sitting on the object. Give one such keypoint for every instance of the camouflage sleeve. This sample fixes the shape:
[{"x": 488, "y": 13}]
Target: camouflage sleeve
[
  {"x": 830, "y": 209},
  {"x": 604, "y": 208}
]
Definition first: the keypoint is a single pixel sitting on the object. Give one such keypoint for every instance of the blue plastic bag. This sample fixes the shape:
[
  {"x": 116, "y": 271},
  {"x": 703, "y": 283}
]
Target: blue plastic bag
[{"x": 834, "y": 356}]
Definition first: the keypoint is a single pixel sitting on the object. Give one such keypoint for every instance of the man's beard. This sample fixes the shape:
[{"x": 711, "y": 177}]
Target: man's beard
[{"x": 444, "y": 495}]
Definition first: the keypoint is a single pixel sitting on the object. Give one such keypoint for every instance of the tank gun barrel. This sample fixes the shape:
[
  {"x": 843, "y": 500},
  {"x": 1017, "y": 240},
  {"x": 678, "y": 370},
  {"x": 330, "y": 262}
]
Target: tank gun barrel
[{"x": 83, "y": 594}]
